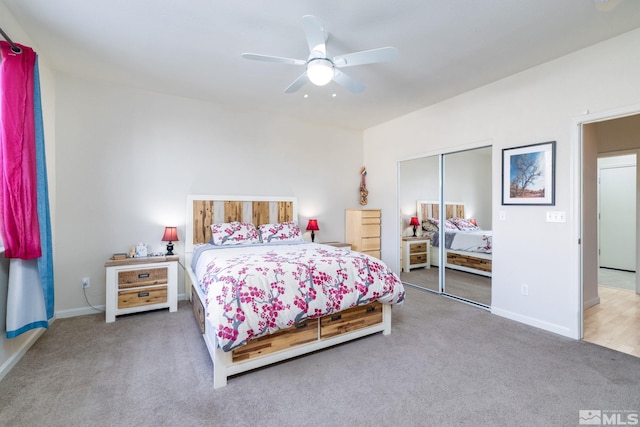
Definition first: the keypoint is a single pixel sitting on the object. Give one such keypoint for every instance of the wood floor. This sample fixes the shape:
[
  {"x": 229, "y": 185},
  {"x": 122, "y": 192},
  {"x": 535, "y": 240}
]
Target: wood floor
[{"x": 615, "y": 322}]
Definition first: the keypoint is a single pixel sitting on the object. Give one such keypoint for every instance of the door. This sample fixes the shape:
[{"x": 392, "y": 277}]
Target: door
[{"x": 617, "y": 219}]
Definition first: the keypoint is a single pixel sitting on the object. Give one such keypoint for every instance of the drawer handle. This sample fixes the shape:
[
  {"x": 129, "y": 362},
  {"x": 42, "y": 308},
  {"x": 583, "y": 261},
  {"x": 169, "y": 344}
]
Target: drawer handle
[
  {"x": 371, "y": 309},
  {"x": 143, "y": 294},
  {"x": 301, "y": 325},
  {"x": 143, "y": 275},
  {"x": 336, "y": 317}
]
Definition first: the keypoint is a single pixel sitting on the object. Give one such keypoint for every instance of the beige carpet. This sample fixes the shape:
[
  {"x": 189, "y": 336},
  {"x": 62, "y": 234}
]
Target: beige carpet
[{"x": 445, "y": 363}]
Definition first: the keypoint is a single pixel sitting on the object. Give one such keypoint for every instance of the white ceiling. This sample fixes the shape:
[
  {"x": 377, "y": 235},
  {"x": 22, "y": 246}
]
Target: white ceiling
[{"x": 192, "y": 48}]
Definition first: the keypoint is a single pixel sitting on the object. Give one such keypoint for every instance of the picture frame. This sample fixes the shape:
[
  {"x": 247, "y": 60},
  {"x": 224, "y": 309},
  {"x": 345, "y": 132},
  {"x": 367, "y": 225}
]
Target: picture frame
[{"x": 528, "y": 174}]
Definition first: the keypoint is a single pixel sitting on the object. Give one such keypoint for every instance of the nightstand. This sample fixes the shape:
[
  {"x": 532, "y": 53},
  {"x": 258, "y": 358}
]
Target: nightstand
[
  {"x": 415, "y": 253},
  {"x": 141, "y": 284}
]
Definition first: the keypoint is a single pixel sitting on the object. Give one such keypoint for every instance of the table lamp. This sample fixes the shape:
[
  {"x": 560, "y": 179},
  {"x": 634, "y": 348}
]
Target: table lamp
[
  {"x": 313, "y": 226},
  {"x": 414, "y": 221},
  {"x": 170, "y": 235}
]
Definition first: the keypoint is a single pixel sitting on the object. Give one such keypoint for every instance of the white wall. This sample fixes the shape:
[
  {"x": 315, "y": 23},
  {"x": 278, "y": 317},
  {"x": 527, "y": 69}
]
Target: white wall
[
  {"x": 534, "y": 106},
  {"x": 127, "y": 159}
]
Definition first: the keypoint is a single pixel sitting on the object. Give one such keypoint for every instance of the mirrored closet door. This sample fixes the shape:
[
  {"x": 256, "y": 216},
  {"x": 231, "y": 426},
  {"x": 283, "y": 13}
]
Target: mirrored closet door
[{"x": 450, "y": 196}]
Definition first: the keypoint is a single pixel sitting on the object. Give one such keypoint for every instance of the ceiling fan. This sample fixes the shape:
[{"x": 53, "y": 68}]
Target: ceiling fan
[{"x": 320, "y": 68}]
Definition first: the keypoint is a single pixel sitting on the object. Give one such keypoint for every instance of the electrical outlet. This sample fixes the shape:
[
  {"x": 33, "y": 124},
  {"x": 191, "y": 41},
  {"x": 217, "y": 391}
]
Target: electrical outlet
[
  {"x": 86, "y": 282},
  {"x": 524, "y": 289}
]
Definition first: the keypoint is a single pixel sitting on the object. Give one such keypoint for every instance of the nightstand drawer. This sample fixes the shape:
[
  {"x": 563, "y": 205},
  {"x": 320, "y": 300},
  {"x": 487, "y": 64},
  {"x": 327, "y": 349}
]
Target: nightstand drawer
[
  {"x": 142, "y": 277},
  {"x": 418, "y": 259},
  {"x": 418, "y": 248},
  {"x": 138, "y": 297}
]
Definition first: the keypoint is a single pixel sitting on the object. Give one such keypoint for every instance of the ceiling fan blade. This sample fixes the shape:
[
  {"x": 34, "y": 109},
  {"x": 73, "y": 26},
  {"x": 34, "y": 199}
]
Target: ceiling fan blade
[
  {"x": 268, "y": 58},
  {"x": 366, "y": 57},
  {"x": 316, "y": 35},
  {"x": 347, "y": 82},
  {"x": 297, "y": 83}
]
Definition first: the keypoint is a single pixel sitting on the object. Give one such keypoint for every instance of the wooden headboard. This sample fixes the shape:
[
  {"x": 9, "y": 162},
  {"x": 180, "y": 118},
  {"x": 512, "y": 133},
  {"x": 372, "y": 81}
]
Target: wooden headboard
[
  {"x": 203, "y": 210},
  {"x": 427, "y": 209}
]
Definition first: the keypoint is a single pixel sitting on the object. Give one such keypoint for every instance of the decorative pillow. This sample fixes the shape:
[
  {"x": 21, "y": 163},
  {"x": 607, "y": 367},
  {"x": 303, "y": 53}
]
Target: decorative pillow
[
  {"x": 448, "y": 225},
  {"x": 464, "y": 224},
  {"x": 284, "y": 231},
  {"x": 429, "y": 227},
  {"x": 234, "y": 233}
]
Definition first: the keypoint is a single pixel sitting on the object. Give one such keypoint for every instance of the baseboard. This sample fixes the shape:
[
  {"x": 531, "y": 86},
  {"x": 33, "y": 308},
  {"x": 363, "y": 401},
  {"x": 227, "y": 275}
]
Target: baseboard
[
  {"x": 82, "y": 311},
  {"x": 551, "y": 327},
  {"x": 591, "y": 303},
  {"x": 20, "y": 351}
]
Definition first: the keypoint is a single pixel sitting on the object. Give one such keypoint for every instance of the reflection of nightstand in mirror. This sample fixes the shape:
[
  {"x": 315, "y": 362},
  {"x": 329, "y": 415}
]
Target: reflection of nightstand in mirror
[{"x": 415, "y": 253}]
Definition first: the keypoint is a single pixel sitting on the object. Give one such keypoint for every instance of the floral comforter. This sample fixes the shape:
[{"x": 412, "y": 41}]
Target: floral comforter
[
  {"x": 257, "y": 289},
  {"x": 470, "y": 241}
]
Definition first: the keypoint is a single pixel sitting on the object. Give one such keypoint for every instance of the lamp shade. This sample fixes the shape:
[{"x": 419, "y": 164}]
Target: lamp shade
[
  {"x": 170, "y": 234},
  {"x": 313, "y": 225},
  {"x": 320, "y": 71},
  {"x": 414, "y": 221}
]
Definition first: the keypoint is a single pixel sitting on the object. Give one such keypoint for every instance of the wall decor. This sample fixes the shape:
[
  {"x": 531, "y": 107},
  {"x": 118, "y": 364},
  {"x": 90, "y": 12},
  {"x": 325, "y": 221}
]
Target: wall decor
[
  {"x": 364, "y": 193},
  {"x": 528, "y": 174}
]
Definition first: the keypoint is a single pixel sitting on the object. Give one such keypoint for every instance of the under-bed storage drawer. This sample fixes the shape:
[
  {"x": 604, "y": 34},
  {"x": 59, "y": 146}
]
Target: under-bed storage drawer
[
  {"x": 145, "y": 296},
  {"x": 198, "y": 309},
  {"x": 304, "y": 332},
  {"x": 351, "y": 320},
  {"x": 477, "y": 263}
]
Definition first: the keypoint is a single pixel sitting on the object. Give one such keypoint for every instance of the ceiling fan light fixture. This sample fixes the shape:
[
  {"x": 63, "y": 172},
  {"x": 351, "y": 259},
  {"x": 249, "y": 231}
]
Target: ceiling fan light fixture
[{"x": 320, "y": 71}]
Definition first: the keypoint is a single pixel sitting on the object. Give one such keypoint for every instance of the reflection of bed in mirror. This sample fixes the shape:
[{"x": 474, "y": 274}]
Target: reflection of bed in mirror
[{"x": 467, "y": 247}]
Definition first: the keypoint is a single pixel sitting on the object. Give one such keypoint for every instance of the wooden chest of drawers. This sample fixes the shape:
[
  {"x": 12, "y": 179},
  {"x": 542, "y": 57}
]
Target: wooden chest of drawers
[
  {"x": 362, "y": 230},
  {"x": 141, "y": 284}
]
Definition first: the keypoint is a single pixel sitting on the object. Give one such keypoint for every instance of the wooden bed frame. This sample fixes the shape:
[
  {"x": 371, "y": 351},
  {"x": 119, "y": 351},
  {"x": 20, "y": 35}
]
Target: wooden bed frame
[
  {"x": 471, "y": 262},
  {"x": 305, "y": 337}
]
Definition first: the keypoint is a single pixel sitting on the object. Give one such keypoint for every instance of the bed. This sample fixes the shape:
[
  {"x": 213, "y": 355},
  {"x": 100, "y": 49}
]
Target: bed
[
  {"x": 265, "y": 301},
  {"x": 467, "y": 247}
]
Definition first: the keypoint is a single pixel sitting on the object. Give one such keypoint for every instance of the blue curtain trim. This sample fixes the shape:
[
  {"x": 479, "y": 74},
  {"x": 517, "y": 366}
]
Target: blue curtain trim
[{"x": 34, "y": 325}]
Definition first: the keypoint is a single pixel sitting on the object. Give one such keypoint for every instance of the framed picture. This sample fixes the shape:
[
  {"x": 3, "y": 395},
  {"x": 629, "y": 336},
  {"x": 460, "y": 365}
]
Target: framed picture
[{"x": 528, "y": 174}]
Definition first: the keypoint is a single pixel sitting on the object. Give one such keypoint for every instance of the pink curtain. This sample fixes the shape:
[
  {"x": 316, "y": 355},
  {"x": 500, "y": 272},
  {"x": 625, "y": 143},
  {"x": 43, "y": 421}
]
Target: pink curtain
[{"x": 18, "y": 204}]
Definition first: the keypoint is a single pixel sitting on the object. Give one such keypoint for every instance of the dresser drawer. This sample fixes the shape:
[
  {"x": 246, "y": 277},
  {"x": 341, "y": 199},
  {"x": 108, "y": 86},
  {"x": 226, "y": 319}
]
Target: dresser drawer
[
  {"x": 375, "y": 254},
  {"x": 304, "y": 332},
  {"x": 370, "y": 217},
  {"x": 142, "y": 277},
  {"x": 369, "y": 244},
  {"x": 370, "y": 230},
  {"x": 418, "y": 247},
  {"x": 139, "y": 297},
  {"x": 351, "y": 320}
]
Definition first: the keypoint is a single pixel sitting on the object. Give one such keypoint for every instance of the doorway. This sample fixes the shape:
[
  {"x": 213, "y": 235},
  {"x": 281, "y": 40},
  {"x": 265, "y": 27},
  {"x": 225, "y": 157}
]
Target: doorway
[{"x": 609, "y": 231}]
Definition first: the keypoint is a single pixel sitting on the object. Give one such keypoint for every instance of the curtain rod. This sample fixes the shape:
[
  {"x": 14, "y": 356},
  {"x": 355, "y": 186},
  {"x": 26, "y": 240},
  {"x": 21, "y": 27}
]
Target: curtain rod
[{"x": 14, "y": 47}]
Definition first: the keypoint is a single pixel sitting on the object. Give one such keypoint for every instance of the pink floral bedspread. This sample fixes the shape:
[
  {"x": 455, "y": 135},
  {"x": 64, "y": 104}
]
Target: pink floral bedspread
[{"x": 255, "y": 290}]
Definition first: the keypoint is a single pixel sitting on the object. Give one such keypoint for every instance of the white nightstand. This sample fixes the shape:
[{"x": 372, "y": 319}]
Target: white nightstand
[
  {"x": 415, "y": 253},
  {"x": 141, "y": 284}
]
